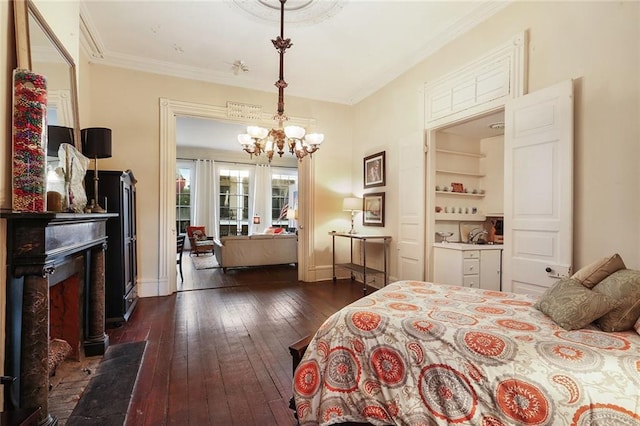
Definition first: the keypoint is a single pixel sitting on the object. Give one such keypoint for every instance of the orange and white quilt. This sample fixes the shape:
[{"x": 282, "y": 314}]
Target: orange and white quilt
[{"x": 418, "y": 353}]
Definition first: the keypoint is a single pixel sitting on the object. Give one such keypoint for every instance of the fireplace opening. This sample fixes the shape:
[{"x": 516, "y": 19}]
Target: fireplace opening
[{"x": 66, "y": 316}]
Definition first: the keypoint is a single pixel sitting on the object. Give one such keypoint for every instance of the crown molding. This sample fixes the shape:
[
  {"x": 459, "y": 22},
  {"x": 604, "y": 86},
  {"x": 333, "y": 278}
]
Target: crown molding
[{"x": 91, "y": 43}]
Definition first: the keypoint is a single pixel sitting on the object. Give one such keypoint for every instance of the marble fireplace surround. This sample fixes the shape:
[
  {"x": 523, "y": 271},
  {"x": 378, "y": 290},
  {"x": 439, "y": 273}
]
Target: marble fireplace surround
[{"x": 43, "y": 250}]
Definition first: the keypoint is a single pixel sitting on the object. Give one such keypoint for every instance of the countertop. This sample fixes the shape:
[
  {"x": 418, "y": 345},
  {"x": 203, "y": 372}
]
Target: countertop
[{"x": 467, "y": 246}]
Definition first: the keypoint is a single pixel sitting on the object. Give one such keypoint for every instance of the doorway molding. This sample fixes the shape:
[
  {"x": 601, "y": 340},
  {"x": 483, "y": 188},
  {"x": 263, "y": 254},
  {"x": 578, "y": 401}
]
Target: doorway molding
[
  {"x": 481, "y": 87},
  {"x": 167, "y": 233}
]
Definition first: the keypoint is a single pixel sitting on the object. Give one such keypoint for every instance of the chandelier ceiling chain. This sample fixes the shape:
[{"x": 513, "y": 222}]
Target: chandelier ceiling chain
[{"x": 258, "y": 139}]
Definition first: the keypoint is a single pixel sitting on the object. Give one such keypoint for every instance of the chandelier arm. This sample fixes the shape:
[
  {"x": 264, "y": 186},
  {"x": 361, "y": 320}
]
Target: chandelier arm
[{"x": 296, "y": 144}]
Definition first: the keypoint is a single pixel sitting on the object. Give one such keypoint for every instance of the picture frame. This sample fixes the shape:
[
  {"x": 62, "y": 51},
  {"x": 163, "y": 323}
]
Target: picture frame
[
  {"x": 457, "y": 187},
  {"x": 374, "y": 170},
  {"x": 373, "y": 209}
]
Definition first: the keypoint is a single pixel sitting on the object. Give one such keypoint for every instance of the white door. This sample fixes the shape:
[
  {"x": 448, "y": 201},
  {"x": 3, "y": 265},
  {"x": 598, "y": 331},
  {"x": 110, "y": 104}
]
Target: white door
[
  {"x": 538, "y": 226},
  {"x": 411, "y": 210}
]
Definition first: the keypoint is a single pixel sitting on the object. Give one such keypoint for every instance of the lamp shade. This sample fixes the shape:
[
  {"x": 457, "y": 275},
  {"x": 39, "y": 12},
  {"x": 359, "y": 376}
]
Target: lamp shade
[
  {"x": 57, "y": 135},
  {"x": 352, "y": 204},
  {"x": 294, "y": 132},
  {"x": 96, "y": 142}
]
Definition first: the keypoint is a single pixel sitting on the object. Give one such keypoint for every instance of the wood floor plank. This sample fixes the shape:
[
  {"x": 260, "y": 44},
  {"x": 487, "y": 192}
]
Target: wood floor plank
[{"x": 219, "y": 356}]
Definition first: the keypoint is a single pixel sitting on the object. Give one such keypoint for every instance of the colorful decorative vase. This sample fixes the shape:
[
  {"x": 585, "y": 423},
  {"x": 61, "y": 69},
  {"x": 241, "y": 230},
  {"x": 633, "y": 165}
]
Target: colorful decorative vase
[{"x": 29, "y": 141}]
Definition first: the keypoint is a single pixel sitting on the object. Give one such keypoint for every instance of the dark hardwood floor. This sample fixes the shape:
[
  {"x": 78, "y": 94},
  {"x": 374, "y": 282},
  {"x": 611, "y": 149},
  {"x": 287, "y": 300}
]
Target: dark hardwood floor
[{"x": 220, "y": 356}]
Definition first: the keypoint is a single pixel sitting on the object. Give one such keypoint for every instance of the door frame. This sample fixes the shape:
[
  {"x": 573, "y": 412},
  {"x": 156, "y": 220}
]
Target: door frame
[
  {"x": 430, "y": 135},
  {"x": 169, "y": 109}
]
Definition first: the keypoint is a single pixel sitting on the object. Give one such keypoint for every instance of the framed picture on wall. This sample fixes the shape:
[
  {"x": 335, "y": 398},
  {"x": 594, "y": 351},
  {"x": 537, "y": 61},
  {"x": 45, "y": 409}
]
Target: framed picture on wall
[
  {"x": 373, "y": 209},
  {"x": 374, "y": 170}
]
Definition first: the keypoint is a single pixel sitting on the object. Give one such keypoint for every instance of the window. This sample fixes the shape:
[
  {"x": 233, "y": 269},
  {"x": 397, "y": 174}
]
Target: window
[
  {"x": 283, "y": 187},
  {"x": 183, "y": 198},
  {"x": 234, "y": 202}
]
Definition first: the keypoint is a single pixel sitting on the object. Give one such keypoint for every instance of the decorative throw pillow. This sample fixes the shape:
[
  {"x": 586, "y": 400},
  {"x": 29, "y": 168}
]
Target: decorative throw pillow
[
  {"x": 199, "y": 235},
  {"x": 624, "y": 287},
  {"x": 571, "y": 305},
  {"x": 595, "y": 272}
]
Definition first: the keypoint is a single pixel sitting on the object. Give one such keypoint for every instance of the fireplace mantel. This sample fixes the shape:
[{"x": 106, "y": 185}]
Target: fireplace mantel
[{"x": 44, "y": 249}]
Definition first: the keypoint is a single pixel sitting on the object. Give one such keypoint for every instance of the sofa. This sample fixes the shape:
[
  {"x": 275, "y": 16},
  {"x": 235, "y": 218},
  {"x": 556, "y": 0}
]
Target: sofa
[{"x": 256, "y": 250}]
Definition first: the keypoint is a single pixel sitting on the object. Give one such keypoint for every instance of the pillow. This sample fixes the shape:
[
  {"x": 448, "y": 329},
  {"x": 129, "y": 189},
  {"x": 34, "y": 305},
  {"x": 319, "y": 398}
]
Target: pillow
[
  {"x": 198, "y": 235},
  {"x": 571, "y": 305},
  {"x": 273, "y": 230},
  {"x": 595, "y": 272},
  {"x": 623, "y": 286},
  {"x": 637, "y": 326}
]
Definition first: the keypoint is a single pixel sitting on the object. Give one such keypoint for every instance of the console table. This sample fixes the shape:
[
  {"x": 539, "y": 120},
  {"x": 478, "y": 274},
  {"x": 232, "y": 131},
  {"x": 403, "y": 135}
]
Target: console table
[{"x": 361, "y": 268}]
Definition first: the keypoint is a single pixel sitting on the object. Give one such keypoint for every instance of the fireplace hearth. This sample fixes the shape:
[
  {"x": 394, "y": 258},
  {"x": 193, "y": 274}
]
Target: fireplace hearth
[{"x": 55, "y": 289}]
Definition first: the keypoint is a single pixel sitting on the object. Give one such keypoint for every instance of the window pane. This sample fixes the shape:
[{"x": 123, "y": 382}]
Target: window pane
[
  {"x": 234, "y": 202},
  {"x": 183, "y": 198}
]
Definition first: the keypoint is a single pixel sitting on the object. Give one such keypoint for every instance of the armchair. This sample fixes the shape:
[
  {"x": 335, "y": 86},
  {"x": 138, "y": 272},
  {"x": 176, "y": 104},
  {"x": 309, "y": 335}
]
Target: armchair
[{"x": 199, "y": 241}]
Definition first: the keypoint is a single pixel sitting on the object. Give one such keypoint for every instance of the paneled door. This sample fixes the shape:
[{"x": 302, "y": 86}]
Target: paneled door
[
  {"x": 411, "y": 190},
  {"x": 538, "y": 189}
]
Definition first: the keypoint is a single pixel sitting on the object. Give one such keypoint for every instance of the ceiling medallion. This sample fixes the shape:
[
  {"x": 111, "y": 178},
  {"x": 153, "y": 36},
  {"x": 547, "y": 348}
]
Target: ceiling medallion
[{"x": 298, "y": 11}]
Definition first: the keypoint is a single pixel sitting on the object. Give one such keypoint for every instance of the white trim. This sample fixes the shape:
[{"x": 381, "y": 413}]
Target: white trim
[
  {"x": 61, "y": 101},
  {"x": 169, "y": 109},
  {"x": 482, "y": 85}
]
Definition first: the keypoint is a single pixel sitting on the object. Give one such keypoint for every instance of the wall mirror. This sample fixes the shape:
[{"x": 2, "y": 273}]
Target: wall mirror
[{"x": 39, "y": 50}]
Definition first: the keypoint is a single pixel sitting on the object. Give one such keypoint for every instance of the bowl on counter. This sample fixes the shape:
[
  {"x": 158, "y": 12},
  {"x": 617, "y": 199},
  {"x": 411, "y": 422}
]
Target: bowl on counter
[{"x": 444, "y": 235}]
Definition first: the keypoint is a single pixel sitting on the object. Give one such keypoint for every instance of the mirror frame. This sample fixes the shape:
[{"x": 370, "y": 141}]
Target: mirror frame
[{"x": 22, "y": 9}]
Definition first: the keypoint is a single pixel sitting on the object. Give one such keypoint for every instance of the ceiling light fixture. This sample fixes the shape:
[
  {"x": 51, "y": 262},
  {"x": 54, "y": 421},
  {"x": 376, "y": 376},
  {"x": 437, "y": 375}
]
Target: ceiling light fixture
[{"x": 258, "y": 139}]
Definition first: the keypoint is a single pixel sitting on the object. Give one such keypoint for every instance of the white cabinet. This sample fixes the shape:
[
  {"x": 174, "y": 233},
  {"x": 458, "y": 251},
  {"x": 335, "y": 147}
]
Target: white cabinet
[
  {"x": 468, "y": 265},
  {"x": 491, "y": 269}
]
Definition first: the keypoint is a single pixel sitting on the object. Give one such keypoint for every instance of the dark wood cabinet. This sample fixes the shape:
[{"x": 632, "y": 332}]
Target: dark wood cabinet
[{"x": 121, "y": 260}]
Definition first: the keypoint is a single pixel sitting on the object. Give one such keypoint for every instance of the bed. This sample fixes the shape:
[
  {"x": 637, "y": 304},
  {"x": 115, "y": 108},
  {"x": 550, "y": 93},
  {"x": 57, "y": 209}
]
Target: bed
[{"x": 418, "y": 353}]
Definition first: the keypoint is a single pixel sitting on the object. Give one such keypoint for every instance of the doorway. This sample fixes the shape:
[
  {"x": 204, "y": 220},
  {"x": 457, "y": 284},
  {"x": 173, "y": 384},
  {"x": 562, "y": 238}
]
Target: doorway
[{"x": 169, "y": 111}]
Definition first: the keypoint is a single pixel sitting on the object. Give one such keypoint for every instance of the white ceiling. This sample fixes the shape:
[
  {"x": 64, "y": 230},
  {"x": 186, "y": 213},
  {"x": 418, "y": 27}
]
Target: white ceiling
[{"x": 343, "y": 50}]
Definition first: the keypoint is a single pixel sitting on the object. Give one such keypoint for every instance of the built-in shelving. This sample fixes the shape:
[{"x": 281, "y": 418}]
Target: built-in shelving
[
  {"x": 461, "y": 217},
  {"x": 459, "y": 194},
  {"x": 462, "y": 153},
  {"x": 460, "y": 173}
]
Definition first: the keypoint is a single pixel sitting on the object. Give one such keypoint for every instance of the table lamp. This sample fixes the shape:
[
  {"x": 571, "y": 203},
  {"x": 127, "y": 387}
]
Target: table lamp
[
  {"x": 96, "y": 143},
  {"x": 353, "y": 205}
]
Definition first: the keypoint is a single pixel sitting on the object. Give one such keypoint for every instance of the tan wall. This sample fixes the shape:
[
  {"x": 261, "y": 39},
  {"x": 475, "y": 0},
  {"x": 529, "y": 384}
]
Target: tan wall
[
  {"x": 596, "y": 43},
  {"x": 128, "y": 103}
]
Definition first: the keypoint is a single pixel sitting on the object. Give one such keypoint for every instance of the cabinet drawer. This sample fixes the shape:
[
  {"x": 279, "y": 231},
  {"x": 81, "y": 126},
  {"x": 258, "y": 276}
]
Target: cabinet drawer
[
  {"x": 471, "y": 281},
  {"x": 471, "y": 254},
  {"x": 470, "y": 267}
]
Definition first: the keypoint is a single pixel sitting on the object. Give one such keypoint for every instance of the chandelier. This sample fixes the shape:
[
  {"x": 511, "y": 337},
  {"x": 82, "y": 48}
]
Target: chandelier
[{"x": 259, "y": 140}]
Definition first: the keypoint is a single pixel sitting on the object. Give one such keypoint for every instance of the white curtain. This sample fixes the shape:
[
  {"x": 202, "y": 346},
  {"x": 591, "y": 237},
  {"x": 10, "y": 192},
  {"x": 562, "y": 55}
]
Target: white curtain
[
  {"x": 261, "y": 205},
  {"x": 205, "y": 197}
]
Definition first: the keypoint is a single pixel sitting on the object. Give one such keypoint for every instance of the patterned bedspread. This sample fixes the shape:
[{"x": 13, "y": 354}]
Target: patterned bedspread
[{"x": 416, "y": 353}]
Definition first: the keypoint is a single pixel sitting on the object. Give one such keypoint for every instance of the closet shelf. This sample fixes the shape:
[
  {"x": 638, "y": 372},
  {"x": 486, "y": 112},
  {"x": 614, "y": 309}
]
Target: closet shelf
[
  {"x": 462, "y": 153},
  {"x": 461, "y": 217},
  {"x": 459, "y": 194},
  {"x": 454, "y": 172}
]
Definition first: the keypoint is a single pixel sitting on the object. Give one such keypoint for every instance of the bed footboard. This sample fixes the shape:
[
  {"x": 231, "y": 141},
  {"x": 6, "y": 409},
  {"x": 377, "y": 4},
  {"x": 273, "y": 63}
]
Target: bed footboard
[{"x": 297, "y": 350}]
